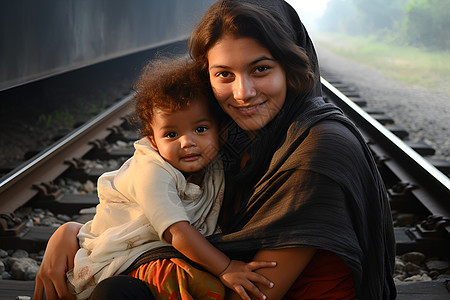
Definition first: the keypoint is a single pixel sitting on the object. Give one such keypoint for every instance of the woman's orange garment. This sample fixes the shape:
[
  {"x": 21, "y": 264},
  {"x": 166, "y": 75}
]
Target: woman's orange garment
[
  {"x": 325, "y": 277},
  {"x": 175, "y": 279}
]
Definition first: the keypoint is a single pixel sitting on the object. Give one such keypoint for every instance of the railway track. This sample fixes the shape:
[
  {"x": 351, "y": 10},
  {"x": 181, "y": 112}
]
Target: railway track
[
  {"x": 418, "y": 190},
  {"x": 414, "y": 184},
  {"x": 32, "y": 182}
]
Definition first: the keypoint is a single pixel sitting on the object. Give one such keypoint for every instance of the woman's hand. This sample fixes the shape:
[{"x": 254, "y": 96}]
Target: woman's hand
[
  {"x": 58, "y": 259},
  {"x": 239, "y": 277}
]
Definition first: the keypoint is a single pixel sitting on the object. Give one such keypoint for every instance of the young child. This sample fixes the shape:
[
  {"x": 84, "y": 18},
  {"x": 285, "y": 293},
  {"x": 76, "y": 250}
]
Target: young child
[{"x": 169, "y": 193}]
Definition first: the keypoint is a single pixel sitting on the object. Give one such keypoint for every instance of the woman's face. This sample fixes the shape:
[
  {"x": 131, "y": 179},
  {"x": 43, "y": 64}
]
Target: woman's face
[{"x": 248, "y": 83}]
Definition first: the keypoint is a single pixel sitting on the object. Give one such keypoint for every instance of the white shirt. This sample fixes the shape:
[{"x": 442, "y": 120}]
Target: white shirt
[{"x": 138, "y": 203}]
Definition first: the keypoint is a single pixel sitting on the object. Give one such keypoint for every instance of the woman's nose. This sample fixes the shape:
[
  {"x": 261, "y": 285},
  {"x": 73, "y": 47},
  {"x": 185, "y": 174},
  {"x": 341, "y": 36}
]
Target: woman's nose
[{"x": 243, "y": 89}]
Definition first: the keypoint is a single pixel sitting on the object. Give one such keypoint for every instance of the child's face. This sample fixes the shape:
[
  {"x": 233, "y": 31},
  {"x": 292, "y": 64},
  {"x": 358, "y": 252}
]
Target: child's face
[{"x": 188, "y": 139}]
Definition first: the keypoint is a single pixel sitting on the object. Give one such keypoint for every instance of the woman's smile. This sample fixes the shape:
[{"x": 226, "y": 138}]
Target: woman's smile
[{"x": 250, "y": 109}]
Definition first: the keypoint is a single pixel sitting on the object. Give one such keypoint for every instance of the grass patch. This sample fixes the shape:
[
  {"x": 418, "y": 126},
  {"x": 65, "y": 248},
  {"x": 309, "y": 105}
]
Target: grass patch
[
  {"x": 56, "y": 119},
  {"x": 410, "y": 65}
]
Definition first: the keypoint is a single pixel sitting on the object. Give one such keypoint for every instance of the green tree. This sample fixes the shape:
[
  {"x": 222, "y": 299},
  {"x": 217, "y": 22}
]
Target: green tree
[
  {"x": 364, "y": 16},
  {"x": 427, "y": 24},
  {"x": 381, "y": 14}
]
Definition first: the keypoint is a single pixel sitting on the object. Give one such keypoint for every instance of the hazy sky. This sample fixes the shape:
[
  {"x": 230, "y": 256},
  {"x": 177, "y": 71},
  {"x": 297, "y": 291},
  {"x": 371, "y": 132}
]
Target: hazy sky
[
  {"x": 309, "y": 5},
  {"x": 309, "y": 10}
]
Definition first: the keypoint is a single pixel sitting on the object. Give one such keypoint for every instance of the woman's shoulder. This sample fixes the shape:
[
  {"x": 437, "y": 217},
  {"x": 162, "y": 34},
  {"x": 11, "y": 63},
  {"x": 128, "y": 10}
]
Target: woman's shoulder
[
  {"x": 329, "y": 148},
  {"x": 327, "y": 143},
  {"x": 328, "y": 132}
]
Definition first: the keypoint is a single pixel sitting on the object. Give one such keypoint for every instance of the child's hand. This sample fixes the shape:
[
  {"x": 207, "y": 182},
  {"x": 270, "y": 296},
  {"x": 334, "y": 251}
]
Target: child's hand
[{"x": 239, "y": 277}]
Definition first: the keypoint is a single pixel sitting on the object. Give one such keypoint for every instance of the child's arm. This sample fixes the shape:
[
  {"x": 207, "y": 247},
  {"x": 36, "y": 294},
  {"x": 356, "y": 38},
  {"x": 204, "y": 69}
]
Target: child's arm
[{"x": 236, "y": 275}]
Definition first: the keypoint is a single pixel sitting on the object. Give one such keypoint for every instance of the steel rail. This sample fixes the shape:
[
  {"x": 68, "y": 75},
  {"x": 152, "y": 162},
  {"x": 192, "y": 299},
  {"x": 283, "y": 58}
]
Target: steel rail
[
  {"x": 16, "y": 187},
  {"x": 432, "y": 186},
  {"x": 430, "y": 182}
]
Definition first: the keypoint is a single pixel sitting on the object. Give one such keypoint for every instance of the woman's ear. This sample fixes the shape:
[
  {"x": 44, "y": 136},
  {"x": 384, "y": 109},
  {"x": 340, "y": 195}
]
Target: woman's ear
[{"x": 151, "y": 139}]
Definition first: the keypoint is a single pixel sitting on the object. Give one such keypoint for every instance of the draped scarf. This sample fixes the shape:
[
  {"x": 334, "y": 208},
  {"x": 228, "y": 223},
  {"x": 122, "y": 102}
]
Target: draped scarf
[{"x": 274, "y": 213}]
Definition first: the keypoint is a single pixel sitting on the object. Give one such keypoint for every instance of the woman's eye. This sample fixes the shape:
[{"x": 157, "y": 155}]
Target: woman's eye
[
  {"x": 172, "y": 135},
  {"x": 261, "y": 69},
  {"x": 201, "y": 129},
  {"x": 223, "y": 74}
]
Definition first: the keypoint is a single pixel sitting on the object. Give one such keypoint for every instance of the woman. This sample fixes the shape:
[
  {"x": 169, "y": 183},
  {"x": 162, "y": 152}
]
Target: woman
[{"x": 302, "y": 187}]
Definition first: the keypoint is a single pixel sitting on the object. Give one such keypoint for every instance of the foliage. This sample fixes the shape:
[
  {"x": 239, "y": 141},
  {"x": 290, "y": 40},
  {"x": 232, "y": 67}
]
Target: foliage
[
  {"x": 363, "y": 16},
  {"x": 423, "y": 23},
  {"x": 413, "y": 66},
  {"x": 427, "y": 24},
  {"x": 380, "y": 14},
  {"x": 57, "y": 118}
]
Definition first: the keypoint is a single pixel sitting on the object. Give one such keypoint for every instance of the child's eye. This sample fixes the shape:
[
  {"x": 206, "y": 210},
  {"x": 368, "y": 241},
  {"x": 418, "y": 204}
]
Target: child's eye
[
  {"x": 171, "y": 135},
  {"x": 201, "y": 129}
]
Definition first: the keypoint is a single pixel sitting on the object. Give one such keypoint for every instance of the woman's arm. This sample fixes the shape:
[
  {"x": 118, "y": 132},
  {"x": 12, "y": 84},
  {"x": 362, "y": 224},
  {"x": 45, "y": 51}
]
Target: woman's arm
[
  {"x": 58, "y": 259},
  {"x": 236, "y": 275},
  {"x": 290, "y": 264}
]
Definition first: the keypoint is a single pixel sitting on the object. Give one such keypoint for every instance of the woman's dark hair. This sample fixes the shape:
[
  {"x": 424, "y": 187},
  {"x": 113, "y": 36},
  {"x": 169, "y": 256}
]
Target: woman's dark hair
[
  {"x": 243, "y": 19},
  {"x": 169, "y": 84}
]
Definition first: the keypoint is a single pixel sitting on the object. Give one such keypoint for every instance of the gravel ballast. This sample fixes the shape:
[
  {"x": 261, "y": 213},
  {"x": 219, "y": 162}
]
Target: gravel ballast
[{"x": 424, "y": 113}]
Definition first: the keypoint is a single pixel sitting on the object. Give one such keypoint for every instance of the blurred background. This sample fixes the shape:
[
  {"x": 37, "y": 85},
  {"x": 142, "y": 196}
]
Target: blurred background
[
  {"x": 394, "y": 52},
  {"x": 408, "y": 40}
]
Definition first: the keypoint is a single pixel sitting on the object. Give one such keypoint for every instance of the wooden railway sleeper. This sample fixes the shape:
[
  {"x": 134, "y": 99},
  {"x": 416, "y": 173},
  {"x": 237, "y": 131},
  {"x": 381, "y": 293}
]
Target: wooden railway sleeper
[
  {"x": 400, "y": 195},
  {"x": 76, "y": 163},
  {"x": 100, "y": 144},
  {"x": 380, "y": 159},
  {"x": 399, "y": 131},
  {"x": 48, "y": 192},
  {"x": 429, "y": 237},
  {"x": 433, "y": 226},
  {"x": 52, "y": 198},
  {"x": 383, "y": 119},
  {"x": 122, "y": 133},
  {"x": 81, "y": 172},
  {"x": 361, "y": 102},
  {"x": 401, "y": 188},
  {"x": 127, "y": 121},
  {"x": 349, "y": 94},
  {"x": 422, "y": 148},
  {"x": 10, "y": 225},
  {"x": 100, "y": 150},
  {"x": 117, "y": 133},
  {"x": 78, "y": 170}
]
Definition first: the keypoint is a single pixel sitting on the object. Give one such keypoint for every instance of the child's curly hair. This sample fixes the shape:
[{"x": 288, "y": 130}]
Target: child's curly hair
[{"x": 169, "y": 84}]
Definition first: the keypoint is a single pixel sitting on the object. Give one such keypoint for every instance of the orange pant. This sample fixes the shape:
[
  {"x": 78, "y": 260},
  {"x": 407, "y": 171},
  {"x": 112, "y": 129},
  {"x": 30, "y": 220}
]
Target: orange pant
[{"x": 173, "y": 279}]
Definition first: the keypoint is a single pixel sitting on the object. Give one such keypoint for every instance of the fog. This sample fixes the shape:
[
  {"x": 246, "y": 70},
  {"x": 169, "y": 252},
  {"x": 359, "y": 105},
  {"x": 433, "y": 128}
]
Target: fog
[{"x": 310, "y": 11}]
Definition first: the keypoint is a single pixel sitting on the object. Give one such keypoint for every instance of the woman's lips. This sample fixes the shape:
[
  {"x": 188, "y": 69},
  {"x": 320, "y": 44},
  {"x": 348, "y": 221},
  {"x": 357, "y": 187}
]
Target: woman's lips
[{"x": 249, "y": 110}]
